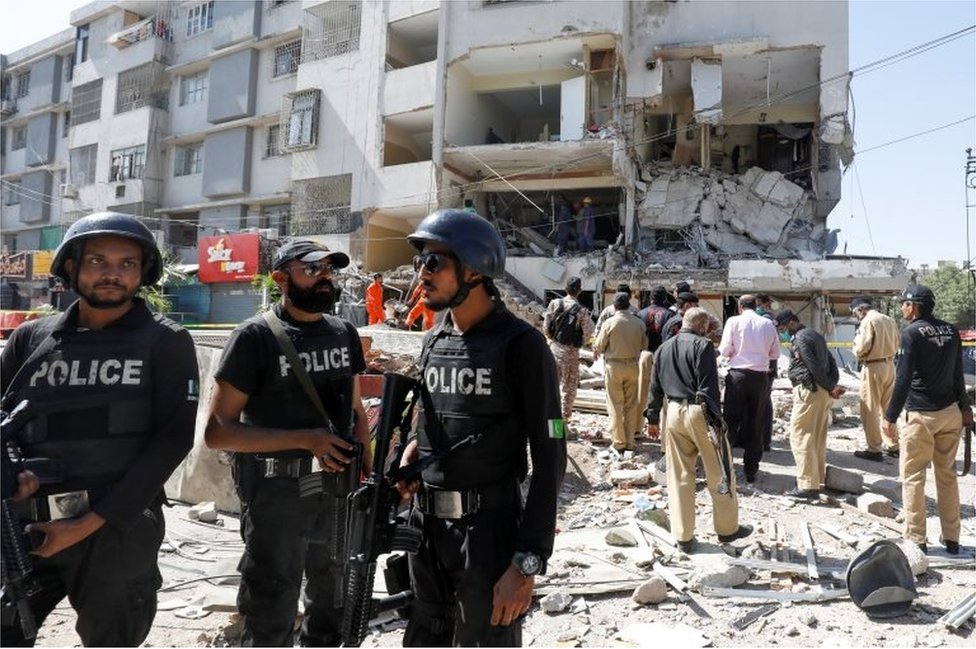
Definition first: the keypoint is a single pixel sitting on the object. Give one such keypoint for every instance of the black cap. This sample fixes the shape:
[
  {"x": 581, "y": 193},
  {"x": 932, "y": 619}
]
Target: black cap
[
  {"x": 783, "y": 316},
  {"x": 687, "y": 296},
  {"x": 574, "y": 283},
  {"x": 621, "y": 300},
  {"x": 304, "y": 251},
  {"x": 682, "y": 287},
  {"x": 860, "y": 301},
  {"x": 623, "y": 288},
  {"x": 918, "y": 294},
  {"x": 659, "y": 293}
]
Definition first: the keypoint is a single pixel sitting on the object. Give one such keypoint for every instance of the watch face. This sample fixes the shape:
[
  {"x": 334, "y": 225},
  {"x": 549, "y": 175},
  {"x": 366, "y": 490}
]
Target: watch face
[{"x": 529, "y": 564}]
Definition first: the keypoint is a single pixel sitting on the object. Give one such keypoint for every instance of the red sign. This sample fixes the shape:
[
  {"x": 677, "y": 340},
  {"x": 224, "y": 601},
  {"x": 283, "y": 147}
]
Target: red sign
[{"x": 228, "y": 258}]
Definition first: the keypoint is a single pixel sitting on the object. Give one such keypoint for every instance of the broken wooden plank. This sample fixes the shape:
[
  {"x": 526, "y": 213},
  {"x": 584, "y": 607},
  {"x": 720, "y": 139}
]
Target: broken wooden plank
[
  {"x": 887, "y": 522},
  {"x": 838, "y": 534},
  {"x": 815, "y": 595},
  {"x": 754, "y": 615},
  {"x": 811, "y": 553},
  {"x": 668, "y": 575}
]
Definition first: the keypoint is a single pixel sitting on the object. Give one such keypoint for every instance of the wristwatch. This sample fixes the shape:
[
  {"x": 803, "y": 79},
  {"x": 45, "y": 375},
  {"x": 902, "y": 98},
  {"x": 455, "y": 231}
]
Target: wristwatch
[{"x": 528, "y": 563}]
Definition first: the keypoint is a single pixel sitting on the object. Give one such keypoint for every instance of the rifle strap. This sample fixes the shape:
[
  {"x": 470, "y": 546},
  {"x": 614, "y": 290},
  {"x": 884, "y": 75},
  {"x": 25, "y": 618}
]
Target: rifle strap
[{"x": 274, "y": 322}]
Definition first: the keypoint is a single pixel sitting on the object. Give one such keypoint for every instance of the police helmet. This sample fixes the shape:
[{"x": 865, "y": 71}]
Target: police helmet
[
  {"x": 918, "y": 294},
  {"x": 472, "y": 239},
  {"x": 880, "y": 580},
  {"x": 114, "y": 224}
]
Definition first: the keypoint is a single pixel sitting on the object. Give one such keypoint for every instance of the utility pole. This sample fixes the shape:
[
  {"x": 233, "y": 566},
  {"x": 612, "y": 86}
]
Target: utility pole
[{"x": 970, "y": 185}]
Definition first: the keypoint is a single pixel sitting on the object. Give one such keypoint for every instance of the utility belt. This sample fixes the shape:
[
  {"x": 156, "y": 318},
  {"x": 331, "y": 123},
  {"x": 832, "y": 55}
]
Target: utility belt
[
  {"x": 453, "y": 505},
  {"x": 629, "y": 361},
  {"x": 684, "y": 402},
  {"x": 67, "y": 504},
  {"x": 876, "y": 360},
  {"x": 311, "y": 480}
]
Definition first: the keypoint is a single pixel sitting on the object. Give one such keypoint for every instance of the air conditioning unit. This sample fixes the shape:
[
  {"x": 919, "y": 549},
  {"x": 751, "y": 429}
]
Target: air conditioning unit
[
  {"x": 7, "y": 107},
  {"x": 69, "y": 190}
]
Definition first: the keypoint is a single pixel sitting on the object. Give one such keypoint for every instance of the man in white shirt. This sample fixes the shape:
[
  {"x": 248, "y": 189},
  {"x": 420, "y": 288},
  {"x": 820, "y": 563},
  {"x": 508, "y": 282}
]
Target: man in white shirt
[{"x": 750, "y": 342}]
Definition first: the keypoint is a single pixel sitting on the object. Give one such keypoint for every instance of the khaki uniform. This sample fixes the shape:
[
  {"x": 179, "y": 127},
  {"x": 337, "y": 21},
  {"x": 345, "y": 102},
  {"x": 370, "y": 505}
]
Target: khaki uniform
[
  {"x": 645, "y": 368},
  {"x": 567, "y": 356},
  {"x": 875, "y": 346},
  {"x": 808, "y": 435},
  {"x": 687, "y": 439},
  {"x": 621, "y": 340},
  {"x": 930, "y": 437}
]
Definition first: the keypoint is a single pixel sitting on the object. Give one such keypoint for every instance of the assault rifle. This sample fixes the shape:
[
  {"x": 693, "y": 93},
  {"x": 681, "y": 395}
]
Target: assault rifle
[
  {"x": 374, "y": 527},
  {"x": 718, "y": 435},
  {"x": 967, "y": 449},
  {"x": 16, "y": 567}
]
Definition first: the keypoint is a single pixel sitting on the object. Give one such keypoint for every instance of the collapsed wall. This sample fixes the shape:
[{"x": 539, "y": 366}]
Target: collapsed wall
[{"x": 705, "y": 218}]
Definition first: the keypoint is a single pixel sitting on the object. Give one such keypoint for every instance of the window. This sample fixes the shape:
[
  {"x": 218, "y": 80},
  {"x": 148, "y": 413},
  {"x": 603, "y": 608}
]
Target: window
[
  {"x": 69, "y": 68},
  {"x": 277, "y": 217},
  {"x": 86, "y": 102},
  {"x": 189, "y": 160},
  {"x": 193, "y": 87},
  {"x": 331, "y": 29},
  {"x": 18, "y": 138},
  {"x": 134, "y": 89},
  {"x": 81, "y": 44},
  {"x": 286, "y": 58},
  {"x": 127, "y": 163},
  {"x": 199, "y": 18},
  {"x": 11, "y": 193},
  {"x": 83, "y": 163},
  {"x": 302, "y": 120},
  {"x": 23, "y": 84},
  {"x": 272, "y": 148},
  {"x": 67, "y": 123}
]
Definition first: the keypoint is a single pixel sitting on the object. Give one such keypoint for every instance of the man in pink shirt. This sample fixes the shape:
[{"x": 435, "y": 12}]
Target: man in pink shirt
[{"x": 750, "y": 342}]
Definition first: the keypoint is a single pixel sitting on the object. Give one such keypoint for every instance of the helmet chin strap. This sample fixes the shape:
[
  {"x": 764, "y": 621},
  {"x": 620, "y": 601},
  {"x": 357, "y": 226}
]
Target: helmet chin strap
[{"x": 465, "y": 287}]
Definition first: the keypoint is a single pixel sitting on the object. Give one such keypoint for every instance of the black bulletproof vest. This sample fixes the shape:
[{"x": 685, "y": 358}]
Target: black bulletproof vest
[
  {"x": 466, "y": 376},
  {"x": 325, "y": 351},
  {"x": 93, "y": 394}
]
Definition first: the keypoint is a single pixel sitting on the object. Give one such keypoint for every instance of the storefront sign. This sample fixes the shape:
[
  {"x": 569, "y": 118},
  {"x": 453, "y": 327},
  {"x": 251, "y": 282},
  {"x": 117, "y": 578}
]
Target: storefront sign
[
  {"x": 229, "y": 258},
  {"x": 41, "y": 264},
  {"x": 15, "y": 266}
]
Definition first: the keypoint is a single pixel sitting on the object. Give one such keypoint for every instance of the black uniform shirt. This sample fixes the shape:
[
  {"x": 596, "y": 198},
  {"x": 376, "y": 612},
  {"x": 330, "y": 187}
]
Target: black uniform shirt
[
  {"x": 810, "y": 361},
  {"x": 254, "y": 363},
  {"x": 531, "y": 378},
  {"x": 929, "y": 375},
  {"x": 683, "y": 366},
  {"x": 174, "y": 381}
]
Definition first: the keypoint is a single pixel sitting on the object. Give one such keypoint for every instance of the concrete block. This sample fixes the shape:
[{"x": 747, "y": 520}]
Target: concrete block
[
  {"x": 750, "y": 177},
  {"x": 205, "y": 512},
  {"x": 636, "y": 477},
  {"x": 764, "y": 185},
  {"x": 620, "y": 538},
  {"x": 652, "y": 591},
  {"x": 730, "y": 242},
  {"x": 843, "y": 480},
  {"x": 786, "y": 194},
  {"x": 768, "y": 225},
  {"x": 708, "y": 212},
  {"x": 875, "y": 504},
  {"x": 916, "y": 558},
  {"x": 738, "y": 225},
  {"x": 556, "y": 602},
  {"x": 718, "y": 574},
  {"x": 730, "y": 187},
  {"x": 887, "y": 487}
]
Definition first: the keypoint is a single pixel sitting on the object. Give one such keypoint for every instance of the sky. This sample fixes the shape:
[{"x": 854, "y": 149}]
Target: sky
[{"x": 905, "y": 199}]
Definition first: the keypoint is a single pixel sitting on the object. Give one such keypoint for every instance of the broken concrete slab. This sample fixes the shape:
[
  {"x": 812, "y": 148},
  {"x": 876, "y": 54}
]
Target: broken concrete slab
[
  {"x": 875, "y": 504},
  {"x": 730, "y": 242},
  {"x": 719, "y": 574},
  {"x": 620, "y": 537},
  {"x": 635, "y": 477},
  {"x": 843, "y": 480},
  {"x": 556, "y": 602},
  {"x": 652, "y": 591}
]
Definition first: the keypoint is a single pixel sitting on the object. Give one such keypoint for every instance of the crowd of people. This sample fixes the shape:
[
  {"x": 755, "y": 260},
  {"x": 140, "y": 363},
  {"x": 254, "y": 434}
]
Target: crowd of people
[{"x": 119, "y": 386}]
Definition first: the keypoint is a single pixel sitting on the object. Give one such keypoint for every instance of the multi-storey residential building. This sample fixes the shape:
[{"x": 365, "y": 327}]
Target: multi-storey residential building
[{"x": 708, "y": 136}]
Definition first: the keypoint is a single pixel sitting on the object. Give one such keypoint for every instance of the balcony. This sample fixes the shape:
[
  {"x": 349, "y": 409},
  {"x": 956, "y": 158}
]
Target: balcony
[
  {"x": 405, "y": 185},
  {"x": 409, "y": 89}
]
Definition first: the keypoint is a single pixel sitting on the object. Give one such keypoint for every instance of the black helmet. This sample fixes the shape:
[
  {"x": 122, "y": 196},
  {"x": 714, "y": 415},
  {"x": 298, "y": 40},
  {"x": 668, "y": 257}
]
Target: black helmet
[
  {"x": 918, "y": 294},
  {"x": 880, "y": 580},
  {"x": 109, "y": 223},
  {"x": 470, "y": 237}
]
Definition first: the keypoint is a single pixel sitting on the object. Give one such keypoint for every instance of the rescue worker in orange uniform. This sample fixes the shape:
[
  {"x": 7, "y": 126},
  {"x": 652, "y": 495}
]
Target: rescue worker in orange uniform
[
  {"x": 419, "y": 309},
  {"x": 374, "y": 300}
]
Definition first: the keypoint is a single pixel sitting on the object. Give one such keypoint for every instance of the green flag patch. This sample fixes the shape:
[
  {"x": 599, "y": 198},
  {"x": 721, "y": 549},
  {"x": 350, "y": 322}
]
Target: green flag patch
[{"x": 557, "y": 429}]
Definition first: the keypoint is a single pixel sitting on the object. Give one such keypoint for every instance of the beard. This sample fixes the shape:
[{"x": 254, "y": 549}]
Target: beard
[
  {"x": 434, "y": 305},
  {"x": 313, "y": 300},
  {"x": 95, "y": 302}
]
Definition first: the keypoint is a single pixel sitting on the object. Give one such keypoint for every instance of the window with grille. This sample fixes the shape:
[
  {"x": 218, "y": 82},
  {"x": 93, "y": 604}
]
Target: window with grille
[
  {"x": 127, "y": 163},
  {"x": 18, "y": 138},
  {"x": 331, "y": 29},
  {"x": 134, "y": 89},
  {"x": 301, "y": 120},
  {"x": 277, "y": 217},
  {"x": 272, "y": 148},
  {"x": 83, "y": 161},
  {"x": 86, "y": 102},
  {"x": 23, "y": 84},
  {"x": 11, "y": 193},
  {"x": 199, "y": 18},
  {"x": 189, "y": 160},
  {"x": 193, "y": 87},
  {"x": 287, "y": 58}
]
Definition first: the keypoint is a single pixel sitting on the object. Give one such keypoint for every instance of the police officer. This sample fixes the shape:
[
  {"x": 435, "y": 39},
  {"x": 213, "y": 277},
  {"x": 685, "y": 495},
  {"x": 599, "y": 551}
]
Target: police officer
[
  {"x": 621, "y": 340},
  {"x": 261, "y": 412},
  {"x": 929, "y": 388},
  {"x": 567, "y": 352},
  {"x": 490, "y": 375},
  {"x": 115, "y": 387},
  {"x": 875, "y": 346},
  {"x": 686, "y": 372},
  {"x": 814, "y": 375}
]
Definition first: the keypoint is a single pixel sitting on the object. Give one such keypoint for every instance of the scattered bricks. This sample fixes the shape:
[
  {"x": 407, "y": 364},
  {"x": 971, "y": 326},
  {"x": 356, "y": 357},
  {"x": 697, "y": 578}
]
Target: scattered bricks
[
  {"x": 620, "y": 538},
  {"x": 843, "y": 480},
  {"x": 652, "y": 591},
  {"x": 205, "y": 512},
  {"x": 875, "y": 504}
]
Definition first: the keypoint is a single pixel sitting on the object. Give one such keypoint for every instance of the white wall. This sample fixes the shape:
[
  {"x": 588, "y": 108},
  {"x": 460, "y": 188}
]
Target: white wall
[{"x": 468, "y": 115}]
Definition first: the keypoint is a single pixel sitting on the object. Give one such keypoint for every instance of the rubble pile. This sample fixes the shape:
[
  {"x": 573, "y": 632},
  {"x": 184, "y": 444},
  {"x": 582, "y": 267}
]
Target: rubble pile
[{"x": 759, "y": 214}]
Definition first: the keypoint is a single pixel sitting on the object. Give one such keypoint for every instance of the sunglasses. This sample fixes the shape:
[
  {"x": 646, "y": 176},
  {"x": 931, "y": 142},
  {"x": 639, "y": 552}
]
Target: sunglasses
[
  {"x": 314, "y": 268},
  {"x": 432, "y": 261}
]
